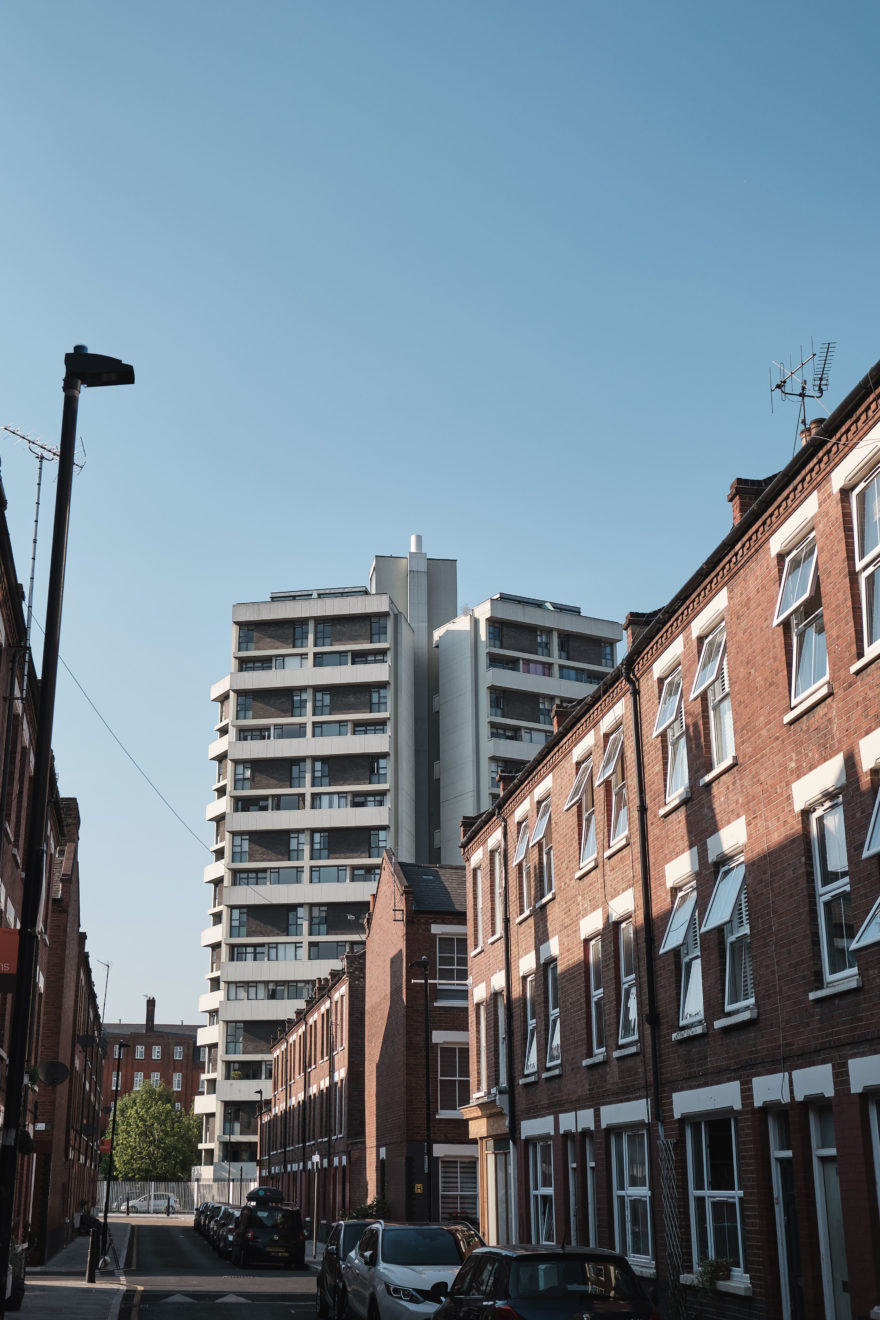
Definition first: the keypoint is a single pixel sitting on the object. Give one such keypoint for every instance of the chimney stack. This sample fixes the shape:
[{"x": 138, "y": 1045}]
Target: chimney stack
[
  {"x": 151, "y": 1013},
  {"x": 743, "y": 493}
]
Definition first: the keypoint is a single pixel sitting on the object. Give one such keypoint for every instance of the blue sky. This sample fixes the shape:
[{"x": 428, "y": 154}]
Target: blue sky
[{"x": 509, "y": 275}]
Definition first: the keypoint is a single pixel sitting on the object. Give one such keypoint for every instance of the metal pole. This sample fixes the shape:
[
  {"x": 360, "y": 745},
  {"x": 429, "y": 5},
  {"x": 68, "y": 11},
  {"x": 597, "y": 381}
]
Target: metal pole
[
  {"x": 122, "y": 1045},
  {"x": 316, "y": 1161},
  {"x": 429, "y": 1147},
  {"x": 22, "y": 1007}
]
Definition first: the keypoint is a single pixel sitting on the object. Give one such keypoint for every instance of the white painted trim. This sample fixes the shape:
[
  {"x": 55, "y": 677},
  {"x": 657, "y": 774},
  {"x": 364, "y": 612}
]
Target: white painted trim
[
  {"x": 613, "y": 718},
  {"x": 522, "y": 810},
  {"x": 497, "y": 982},
  {"x": 795, "y": 527},
  {"x": 666, "y": 662},
  {"x": 808, "y": 1083},
  {"x": 550, "y": 950},
  {"x": 584, "y": 747},
  {"x": 705, "y": 1098},
  {"x": 476, "y": 858},
  {"x": 771, "y": 1089},
  {"x": 450, "y": 1037},
  {"x": 537, "y": 1127},
  {"x": 591, "y": 924},
  {"x": 682, "y": 868},
  {"x": 730, "y": 839},
  {"x": 850, "y": 470},
  {"x": 542, "y": 790},
  {"x": 869, "y": 750},
  {"x": 586, "y": 1120},
  {"x": 621, "y": 906},
  {"x": 446, "y": 928},
  {"x": 494, "y": 840},
  {"x": 628, "y": 1111},
  {"x": 479, "y": 993},
  {"x": 453, "y": 1149},
  {"x": 567, "y": 1123},
  {"x": 819, "y": 783},
  {"x": 527, "y": 964},
  {"x": 864, "y": 1073},
  {"x": 709, "y": 615}
]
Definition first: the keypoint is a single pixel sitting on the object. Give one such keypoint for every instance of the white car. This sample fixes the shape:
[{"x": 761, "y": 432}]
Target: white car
[
  {"x": 403, "y": 1270},
  {"x": 151, "y": 1204}
]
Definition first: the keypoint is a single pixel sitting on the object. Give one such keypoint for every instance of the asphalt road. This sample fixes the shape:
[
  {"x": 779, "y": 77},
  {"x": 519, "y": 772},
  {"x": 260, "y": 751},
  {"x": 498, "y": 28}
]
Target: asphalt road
[{"x": 174, "y": 1275}]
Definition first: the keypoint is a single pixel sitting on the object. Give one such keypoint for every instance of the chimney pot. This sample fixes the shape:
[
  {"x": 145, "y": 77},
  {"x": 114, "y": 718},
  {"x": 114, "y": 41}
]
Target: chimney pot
[{"x": 151, "y": 1012}]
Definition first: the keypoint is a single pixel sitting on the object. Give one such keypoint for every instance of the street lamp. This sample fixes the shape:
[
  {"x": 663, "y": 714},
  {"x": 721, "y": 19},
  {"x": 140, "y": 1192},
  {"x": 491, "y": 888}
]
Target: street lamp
[
  {"x": 81, "y": 368},
  {"x": 316, "y": 1164},
  {"x": 421, "y": 964},
  {"x": 259, "y": 1092},
  {"x": 121, "y": 1045}
]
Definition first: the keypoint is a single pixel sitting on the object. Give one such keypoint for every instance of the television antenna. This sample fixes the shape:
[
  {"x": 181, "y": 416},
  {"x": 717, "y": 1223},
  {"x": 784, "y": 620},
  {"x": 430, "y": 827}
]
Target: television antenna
[
  {"x": 793, "y": 382},
  {"x": 42, "y": 453}
]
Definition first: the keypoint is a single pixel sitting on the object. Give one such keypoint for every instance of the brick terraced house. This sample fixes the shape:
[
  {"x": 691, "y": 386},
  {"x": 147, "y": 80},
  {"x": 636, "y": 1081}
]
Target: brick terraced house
[
  {"x": 674, "y": 922},
  {"x": 158, "y": 1054}
]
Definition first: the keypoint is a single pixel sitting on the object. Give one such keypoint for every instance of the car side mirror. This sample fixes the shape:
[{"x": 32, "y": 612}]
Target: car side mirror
[
  {"x": 369, "y": 1258},
  {"x": 329, "y": 1250},
  {"x": 440, "y": 1291}
]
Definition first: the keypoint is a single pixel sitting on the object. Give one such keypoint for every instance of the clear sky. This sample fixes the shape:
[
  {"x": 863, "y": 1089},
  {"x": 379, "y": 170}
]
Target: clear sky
[{"x": 507, "y": 274}]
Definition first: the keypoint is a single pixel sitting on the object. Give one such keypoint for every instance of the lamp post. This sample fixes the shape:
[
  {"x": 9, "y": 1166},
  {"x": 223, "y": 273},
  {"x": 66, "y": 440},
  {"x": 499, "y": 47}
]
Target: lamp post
[
  {"x": 90, "y": 369},
  {"x": 259, "y": 1092},
  {"x": 421, "y": 964},
  {"x": 316, "y": 1164},
  {"x": 122, "y": 1045}
]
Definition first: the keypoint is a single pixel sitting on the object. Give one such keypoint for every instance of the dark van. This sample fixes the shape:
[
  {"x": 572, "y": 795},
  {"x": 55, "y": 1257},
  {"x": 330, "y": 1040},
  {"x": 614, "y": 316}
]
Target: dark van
[{"x": 269, "y": 1229}]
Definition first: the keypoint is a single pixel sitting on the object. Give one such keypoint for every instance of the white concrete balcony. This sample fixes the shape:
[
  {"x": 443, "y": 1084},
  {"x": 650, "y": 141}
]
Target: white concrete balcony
[
  {"x": 212, "y": 872},
  {"x": 208, "y": 1035},
  {"x": 220, "y": 688},
  {"x": 352, "y": 744},
  {"x": 216, "y": 810},
  {"x": 260, "y": 895},
  {"x": 209, "y": 1001},
  {"x": 510, "y": 749},
  {"x": 259, "y": 1010},
  {"x": 205, "y": 1104},
  {"x": 212, "y": 935},
  {"x": 236, "y": 1091},
  {"x": 288, "y": 969},
  {"x": 218, "y": 747},
  {"x": 268, "y": 680},
  {"x": 514, "y": 682}
]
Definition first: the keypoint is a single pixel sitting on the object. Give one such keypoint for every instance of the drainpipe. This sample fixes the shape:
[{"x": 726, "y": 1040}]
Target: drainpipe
[
  {"x": 508, "y": 1021},
  {"x": 652, "y": 1018}
]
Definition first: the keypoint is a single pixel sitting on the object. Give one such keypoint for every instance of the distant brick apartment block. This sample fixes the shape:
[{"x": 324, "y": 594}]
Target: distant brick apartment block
[
  {"x": 674, "y": 921},
  {"x": 158, "y": 1054},
  {"x": 359, "y": 1123}
]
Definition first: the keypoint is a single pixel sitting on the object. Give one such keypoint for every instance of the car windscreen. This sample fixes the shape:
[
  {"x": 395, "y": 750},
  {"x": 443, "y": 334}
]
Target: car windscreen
[
  {"x": 351, "y": 1235},
  {"x": 573, "y": 1277},
  {"x": 420, "y": 1246},
  {"x": 271, "y": 1217}
]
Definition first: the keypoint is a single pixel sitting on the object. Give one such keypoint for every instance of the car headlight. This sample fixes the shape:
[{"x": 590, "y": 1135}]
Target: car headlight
[{"x": 401, "y": 1294}]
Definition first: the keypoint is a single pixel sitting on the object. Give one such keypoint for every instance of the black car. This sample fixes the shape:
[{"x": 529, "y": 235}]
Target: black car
[
  {"x": 546, "y": 1283},
  {"x": 269, "y": 1230},
  {"x": 343, "y": 1235},
  {"x": 197, "y": 1214}
]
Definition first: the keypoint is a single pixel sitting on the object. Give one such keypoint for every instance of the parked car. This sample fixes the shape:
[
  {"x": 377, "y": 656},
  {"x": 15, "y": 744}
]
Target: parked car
[
  {"x": 215, "y": 1227},
  {"x": 211, "y": 1215},
  {"x": 154, "y": 1203},
  {"x": 197, "y": 1214},
  {"x": 546, "y": 1283},
  {"x": 341, "y": 1239},
  {"x": 403, "y": 1270},
  {"x": 269, "y": 1230},
  {"x": 224, "y": 1227}
]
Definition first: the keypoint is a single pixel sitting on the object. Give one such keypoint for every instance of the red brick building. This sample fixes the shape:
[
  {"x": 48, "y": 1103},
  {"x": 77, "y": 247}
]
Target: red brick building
[
  {"x": 312, "y": 1122},
  {"x": 674, "y": 926},
  {"x": 158, "y": 1054},
  {"x": 365, "y": 1116}
]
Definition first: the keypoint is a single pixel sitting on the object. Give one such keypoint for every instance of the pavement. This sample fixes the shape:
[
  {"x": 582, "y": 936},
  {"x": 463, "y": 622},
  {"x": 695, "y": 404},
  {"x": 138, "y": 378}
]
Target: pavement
[{"x": 59, "y": 1288}]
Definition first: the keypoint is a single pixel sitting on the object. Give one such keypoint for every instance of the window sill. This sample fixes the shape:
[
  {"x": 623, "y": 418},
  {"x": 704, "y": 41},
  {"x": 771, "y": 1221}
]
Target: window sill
[
  {"x": 720, "y": 769},
  {"x": 493, "y": 939},
  {"x": 601, "y": 1057},
  {"x": 808, "y": 702},
  {"x": 741, "y": 1286},
  {"x": 617, "y": 847},
  {"x": 737, "y": 1019},
  {"x": 476, "y": 951},
  {"x": 872, "y": 654},
  {"x": 698, "y": 1029},
  {"x": 837, "y": 988},
  {"x": 528, "y": 1081},
  {"x": 548, "y": 898},
  {"x": 643, "y": 1271},
  {"x": 674, "y": 803},
  {"x": 524, "y": 916},
  {"x": 550, "y": 1074},
  {"x": 585, "y": 870},
  {"x": 625, "y": 1050}
]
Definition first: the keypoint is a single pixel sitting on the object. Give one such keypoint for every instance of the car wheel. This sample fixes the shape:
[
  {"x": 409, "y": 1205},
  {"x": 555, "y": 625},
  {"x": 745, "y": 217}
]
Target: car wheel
[{"x": 321, "y": 1306}]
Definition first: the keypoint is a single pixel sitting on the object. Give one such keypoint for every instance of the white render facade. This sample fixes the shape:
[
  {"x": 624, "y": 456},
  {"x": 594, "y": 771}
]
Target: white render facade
[
  {"x": 325, "y": 726},
  {"x": 502, "y": 666}
]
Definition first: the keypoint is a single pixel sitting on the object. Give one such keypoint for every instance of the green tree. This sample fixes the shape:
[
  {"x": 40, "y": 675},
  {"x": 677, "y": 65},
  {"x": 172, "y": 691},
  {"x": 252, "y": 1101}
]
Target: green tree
[{"x": 153, "y": 1139}]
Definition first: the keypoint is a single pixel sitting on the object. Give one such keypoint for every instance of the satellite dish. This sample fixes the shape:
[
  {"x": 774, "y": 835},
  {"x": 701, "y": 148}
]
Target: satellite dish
[{"x": 53, "y": 1072}]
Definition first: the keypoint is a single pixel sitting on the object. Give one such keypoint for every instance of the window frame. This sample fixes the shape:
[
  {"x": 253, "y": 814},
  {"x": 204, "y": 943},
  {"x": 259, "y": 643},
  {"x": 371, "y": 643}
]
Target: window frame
[
  {"x": 709, "y": 1196},
  {"x": 794, "y": 565},
  {"x": 530, "y": 1027},
  {"x": 553, "y": 1054},
  {"x": 627, "y": 1194},
  {"x": 867, "y": 565},
  {"x": 627, "y": 980},
  {"x": 829, "y": 893},
  {"x": 542, "y": 1209}
]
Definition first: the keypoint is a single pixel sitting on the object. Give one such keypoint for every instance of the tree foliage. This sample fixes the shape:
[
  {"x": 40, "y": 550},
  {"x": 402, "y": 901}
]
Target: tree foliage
[{"x": 153, "y": 1139}]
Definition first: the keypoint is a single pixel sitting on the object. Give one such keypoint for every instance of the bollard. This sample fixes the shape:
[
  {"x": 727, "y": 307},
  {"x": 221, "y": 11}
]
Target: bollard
[{"x": 94, "y": 1252}]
